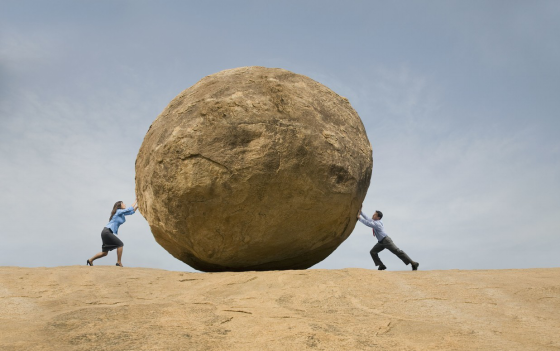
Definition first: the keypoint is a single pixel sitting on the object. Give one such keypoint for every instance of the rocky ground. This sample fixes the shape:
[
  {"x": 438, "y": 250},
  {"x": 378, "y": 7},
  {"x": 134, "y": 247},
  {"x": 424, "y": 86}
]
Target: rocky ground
[{"x": 112, "y": 308}]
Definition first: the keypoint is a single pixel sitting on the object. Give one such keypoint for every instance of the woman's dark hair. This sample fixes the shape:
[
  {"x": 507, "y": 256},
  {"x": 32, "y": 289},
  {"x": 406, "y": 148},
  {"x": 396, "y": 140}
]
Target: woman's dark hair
[
  {"x": 115, "y": 208},
  {"x": 379, "y": 214}
]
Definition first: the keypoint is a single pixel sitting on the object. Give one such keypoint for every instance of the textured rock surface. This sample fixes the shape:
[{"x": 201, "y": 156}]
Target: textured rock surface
[
  {"x": 253, "y": 168},
  {"x": 113, "y": 308}
]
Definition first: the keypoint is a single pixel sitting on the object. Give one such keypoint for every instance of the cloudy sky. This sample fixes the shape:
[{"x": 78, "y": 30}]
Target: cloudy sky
[{"x": 460, "y": 100}]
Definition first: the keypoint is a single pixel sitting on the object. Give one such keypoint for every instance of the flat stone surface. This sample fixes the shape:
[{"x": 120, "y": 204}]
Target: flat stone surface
[
  {"x": 253, "y": 168},
  {"x": 111, "y": 308}
]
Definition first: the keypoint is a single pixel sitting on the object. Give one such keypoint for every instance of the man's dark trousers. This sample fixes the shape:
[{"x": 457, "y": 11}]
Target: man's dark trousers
[{"x": 388, "y": 244}]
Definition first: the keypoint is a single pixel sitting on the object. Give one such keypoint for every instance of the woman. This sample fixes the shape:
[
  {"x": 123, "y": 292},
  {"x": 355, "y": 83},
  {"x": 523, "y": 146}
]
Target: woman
[{"x": 109, "y": 233}]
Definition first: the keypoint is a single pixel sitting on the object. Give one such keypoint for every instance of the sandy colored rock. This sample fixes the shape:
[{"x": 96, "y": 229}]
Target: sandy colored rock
[
  {"x": 253, "y": 168},
  {"x": 112, "y": 308}
]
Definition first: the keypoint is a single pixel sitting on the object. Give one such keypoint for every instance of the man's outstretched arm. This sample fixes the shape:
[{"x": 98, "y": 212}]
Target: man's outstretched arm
[{"x": 366, "y": 220}]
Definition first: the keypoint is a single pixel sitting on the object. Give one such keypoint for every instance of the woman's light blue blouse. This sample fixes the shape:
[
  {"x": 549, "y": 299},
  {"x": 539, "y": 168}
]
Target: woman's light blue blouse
[{"x": 118, "y": 218}]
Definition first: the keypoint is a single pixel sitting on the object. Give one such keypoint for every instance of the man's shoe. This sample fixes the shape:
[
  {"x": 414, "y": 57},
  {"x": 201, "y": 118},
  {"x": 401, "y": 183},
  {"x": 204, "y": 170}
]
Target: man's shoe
[
  {"x": 381, "y": 267},
  {"x": 415, "y": 266}
]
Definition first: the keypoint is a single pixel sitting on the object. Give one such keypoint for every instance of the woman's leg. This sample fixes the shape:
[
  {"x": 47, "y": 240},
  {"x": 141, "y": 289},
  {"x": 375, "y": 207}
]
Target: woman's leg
[
  {"x": 119, "y": 255},
  {"x": 99, "y": 255}
]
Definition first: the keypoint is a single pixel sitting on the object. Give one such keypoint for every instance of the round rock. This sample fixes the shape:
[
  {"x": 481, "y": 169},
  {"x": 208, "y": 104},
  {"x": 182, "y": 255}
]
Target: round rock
[{"x": 253, "y": 168}]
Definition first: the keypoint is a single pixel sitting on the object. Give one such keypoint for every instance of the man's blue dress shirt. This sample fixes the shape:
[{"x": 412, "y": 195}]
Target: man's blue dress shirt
[{"x": 377, "y": 226}]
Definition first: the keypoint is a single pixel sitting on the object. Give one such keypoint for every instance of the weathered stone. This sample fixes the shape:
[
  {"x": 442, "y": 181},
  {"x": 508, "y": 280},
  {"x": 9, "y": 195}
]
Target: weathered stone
[{"x": 253, "y": 168}]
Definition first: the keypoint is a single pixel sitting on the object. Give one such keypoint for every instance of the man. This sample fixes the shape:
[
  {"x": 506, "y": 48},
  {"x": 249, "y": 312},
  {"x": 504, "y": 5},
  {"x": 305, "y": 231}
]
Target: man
[{"x": 384, "y": 241}]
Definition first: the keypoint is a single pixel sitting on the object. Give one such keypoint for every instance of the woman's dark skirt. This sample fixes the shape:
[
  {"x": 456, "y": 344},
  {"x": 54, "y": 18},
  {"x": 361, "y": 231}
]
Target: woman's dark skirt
[{"x": 110, "y": 240}]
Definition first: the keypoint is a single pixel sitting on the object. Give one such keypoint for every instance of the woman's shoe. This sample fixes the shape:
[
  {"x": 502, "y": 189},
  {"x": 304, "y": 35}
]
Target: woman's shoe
[
  {"x": 89, "y": 263},
  {"x": 120, "y": 265}
]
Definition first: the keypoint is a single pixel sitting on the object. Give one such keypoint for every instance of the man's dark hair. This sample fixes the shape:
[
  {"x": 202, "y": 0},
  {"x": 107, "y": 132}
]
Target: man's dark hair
[{"x": 379, "y": 214}]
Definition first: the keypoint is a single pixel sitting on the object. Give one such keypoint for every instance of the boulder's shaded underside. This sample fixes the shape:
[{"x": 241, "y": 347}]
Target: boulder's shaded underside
[{"x": 253, "y": 168}]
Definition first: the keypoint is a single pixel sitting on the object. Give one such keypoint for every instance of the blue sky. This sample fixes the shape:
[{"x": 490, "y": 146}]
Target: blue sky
[{"x": 460, "y": 101}]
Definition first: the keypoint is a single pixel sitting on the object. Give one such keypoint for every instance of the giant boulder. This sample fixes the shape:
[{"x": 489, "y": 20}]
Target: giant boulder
[{"x": 253, "y": 168}]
